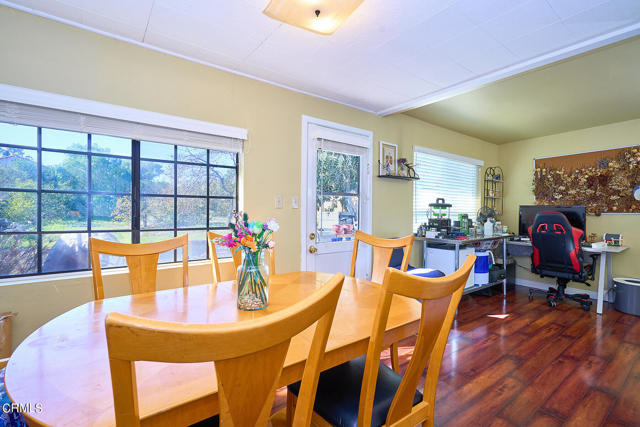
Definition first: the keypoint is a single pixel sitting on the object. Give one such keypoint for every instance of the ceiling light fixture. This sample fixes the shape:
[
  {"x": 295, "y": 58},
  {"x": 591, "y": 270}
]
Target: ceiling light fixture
[{"x": 319, "y": 16}]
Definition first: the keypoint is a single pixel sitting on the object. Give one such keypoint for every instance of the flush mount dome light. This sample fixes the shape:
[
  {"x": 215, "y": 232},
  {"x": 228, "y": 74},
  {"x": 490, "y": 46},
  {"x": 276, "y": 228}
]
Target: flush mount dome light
[{"x": 319, "y": 16}]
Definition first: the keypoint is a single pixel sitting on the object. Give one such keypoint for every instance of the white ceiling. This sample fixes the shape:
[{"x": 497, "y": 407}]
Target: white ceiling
[{"x": 390, "y": 55}]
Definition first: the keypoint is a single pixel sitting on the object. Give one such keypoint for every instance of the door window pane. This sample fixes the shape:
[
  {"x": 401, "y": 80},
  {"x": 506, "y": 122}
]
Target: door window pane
[
  {"x": 110, "y": 174},
  {"x": 63, "y": 171},
  {"x": 18, "y": 254},
  {"x": 338, "y": 173},
  {"x": 222, "y": 182},
  {"x": 18, "y": 211},
  {"x": 154, "y": 150},
  {"x": 18, "y": 168},
  {"x": 192, "y": 212},
  {"x": 220, "y": 211},
  {"x": 18, "y": 135},
  {"x": 64, "y": 140},
  {"x": 62, "y": 211},
  {"x": 110, "y": 212},
  {"x": 156, "y": 212},
  {"x": 156, "y": 178},
  {"x": 111, "y": 145},
  {"x": 337, "y": 196},
  {"x": 65, "y": 252},
  {"x": 192, "y": 155},
  {"x": 337, "y": 218}
]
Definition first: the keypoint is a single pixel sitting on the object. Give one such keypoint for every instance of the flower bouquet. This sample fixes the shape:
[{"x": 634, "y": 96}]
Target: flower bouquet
[{"x": 252, "y": 238}]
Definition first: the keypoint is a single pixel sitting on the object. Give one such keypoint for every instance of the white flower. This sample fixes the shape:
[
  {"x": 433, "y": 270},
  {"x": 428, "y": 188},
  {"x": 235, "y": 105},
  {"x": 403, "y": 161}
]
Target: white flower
[
  {"x": 271, "y": 244},
  {"x": 273, "y": 225}
]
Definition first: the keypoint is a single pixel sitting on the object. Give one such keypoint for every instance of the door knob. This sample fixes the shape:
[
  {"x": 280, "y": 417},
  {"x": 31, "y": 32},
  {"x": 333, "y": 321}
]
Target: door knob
[
  {"x": 312, "y": 236},
  {"x": 313, "y": 249}
]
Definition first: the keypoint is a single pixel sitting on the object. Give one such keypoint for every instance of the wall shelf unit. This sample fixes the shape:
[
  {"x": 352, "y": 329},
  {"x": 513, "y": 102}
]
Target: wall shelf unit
[
  {"x": 403, "y": 178},
  {"x": 494, "y": 189}
]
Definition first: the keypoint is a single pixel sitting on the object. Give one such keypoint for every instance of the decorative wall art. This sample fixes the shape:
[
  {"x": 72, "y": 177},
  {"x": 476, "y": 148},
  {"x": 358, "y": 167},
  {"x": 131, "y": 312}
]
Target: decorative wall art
[
  {"x": 603, "y": 181},
  {"x": 388, "y": 156}
]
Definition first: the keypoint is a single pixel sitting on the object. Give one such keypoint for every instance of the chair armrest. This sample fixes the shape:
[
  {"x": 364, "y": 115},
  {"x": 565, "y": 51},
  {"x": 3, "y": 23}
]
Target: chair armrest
[{"x": 591, "y": 268}]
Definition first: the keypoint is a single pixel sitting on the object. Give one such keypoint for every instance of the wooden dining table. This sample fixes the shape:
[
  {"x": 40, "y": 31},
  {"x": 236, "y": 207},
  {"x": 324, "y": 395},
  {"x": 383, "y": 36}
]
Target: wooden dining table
[{"x": 64, "y": 366}]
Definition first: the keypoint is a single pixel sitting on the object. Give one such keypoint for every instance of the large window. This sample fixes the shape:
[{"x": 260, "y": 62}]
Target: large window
[
  {"x": 453, "y": 178},
  {"x": 58, "y": 188}
]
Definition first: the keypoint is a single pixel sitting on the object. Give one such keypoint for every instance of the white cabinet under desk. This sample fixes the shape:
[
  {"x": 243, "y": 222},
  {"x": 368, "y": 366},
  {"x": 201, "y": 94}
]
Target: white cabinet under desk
[{"x": 451, "y": 253}]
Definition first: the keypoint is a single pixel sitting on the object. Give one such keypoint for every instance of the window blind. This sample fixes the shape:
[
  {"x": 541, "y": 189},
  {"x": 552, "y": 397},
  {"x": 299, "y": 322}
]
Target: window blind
[
  {"x": 17, "y": 113},
  {"x": 447, "y": 177}
]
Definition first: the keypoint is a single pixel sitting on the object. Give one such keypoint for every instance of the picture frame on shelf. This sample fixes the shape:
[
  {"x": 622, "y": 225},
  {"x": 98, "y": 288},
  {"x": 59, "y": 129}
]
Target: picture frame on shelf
[{"x": 388, "y": 158}]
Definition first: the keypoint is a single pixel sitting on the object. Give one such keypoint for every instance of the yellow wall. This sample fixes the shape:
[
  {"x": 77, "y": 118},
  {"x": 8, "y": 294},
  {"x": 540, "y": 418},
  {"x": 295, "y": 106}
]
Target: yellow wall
[
  {"x": 516, "y": 159},
  {"x": 45, "y": 55}
]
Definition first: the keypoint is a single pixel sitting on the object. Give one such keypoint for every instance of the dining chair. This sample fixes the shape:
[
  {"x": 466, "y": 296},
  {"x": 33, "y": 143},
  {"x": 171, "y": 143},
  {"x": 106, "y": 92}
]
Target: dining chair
[
  {"x": 382, "y": 252},
  {"x": 237, "y": 258},
  {"x": 366, "y": 392},
  {"x": 142, "y": 259},
  {"x": 248, "y": 356}
]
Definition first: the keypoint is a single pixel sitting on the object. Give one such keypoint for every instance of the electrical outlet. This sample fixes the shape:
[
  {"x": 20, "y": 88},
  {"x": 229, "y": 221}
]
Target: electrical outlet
[
  {"x": 294, "y": 202},
  {"x": 278, "y": 201}
]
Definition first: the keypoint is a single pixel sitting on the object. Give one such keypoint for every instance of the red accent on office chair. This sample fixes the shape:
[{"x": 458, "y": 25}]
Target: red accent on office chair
[{"x": 557, "y": 253}]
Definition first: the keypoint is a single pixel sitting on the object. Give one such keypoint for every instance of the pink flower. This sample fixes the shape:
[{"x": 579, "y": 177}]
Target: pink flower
[{"x": 271, "y": 244}]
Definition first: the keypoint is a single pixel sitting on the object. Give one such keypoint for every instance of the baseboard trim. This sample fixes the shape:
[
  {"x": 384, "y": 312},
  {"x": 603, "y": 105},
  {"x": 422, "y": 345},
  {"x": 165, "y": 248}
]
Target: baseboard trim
[{"x": 544, "y": 286}]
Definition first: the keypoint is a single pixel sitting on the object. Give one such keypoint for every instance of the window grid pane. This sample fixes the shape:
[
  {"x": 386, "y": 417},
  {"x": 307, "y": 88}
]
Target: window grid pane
[{"x": 61, "y": 187}]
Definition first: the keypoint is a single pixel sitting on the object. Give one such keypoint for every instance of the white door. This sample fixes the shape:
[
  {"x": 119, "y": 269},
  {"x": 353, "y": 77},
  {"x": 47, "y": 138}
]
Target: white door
[{"x": 336, "y": 197}]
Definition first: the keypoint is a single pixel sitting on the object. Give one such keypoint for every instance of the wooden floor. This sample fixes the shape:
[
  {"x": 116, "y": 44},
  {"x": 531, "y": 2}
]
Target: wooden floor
[{"x": 518, "y": 362}]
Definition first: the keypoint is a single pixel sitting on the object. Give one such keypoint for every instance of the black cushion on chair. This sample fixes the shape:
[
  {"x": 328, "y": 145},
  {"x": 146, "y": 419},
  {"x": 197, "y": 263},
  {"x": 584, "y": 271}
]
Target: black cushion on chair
[
  {"x": 338, "y": 394},
  {"x": 209, "y": 422}
]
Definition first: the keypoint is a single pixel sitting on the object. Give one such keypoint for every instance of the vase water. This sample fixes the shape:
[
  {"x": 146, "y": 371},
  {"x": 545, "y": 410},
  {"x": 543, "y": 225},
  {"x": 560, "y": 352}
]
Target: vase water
[{"x": 253, "y": 281}]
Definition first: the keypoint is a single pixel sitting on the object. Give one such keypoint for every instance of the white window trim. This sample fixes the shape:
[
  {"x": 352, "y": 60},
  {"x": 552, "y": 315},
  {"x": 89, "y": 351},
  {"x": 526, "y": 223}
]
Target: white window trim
[
  {"x": 102, "y": 109},
  {"x": 451, "y": 156}
]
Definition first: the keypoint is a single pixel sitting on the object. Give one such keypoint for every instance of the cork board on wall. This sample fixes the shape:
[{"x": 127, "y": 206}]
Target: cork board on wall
[
  {"x": 571, "y": 162},
  {"x": 602, "y": 180}
]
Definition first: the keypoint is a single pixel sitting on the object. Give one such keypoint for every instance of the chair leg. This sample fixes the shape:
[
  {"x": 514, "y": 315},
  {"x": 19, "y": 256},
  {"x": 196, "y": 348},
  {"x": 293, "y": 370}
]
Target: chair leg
[
  {"x": 395, "y": 361},
  {"x": 291, "y": 407}
]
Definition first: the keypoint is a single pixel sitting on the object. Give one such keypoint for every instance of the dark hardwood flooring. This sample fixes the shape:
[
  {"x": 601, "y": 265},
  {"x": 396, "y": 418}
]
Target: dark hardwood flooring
[{"x": 516, "y": 362}]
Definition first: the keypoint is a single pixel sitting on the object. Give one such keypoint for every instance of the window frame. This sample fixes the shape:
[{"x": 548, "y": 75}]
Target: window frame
[
  {"x": 479, "y": 164},
  {"x": 135, "y": 194}
]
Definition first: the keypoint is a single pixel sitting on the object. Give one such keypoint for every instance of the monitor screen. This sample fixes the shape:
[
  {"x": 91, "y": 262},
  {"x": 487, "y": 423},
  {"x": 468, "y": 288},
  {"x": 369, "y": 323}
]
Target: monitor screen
[{"x": 577, "y": 216}]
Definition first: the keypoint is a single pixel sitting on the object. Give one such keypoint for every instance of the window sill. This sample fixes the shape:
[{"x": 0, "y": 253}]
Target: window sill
[{"x": 87, "y": 274}]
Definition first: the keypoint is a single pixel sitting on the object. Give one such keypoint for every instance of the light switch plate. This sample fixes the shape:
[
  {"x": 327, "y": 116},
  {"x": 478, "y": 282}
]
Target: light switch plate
[
  {"x": 278, "y": 200},
  {"x": 294, "y": 202}
]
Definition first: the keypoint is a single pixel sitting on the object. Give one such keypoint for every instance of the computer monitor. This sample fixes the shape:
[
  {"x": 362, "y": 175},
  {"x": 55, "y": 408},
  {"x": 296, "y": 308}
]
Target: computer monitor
[{"x": 577, "y": 216}]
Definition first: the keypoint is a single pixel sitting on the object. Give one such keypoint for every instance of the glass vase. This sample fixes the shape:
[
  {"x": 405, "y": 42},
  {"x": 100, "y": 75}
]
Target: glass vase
[{"x": 253, "y": 281}]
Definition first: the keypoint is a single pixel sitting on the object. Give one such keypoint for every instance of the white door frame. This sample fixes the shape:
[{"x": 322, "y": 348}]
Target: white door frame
[{"x": 366, "y": 224}]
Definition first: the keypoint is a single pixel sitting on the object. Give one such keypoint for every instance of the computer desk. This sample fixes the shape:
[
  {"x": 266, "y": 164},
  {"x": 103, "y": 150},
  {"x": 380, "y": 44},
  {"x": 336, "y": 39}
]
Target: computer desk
[{"x": 605, "y": 274}]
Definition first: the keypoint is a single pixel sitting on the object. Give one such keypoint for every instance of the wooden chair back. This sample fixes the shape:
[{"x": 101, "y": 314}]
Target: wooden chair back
[
  {"x": 142, "y": 260},
  {"x": 440, "y": 298},
  {"x": 382, "y": 251},
  {"x": 237, "y": 258},
  {"x": 248, "y": 356}
]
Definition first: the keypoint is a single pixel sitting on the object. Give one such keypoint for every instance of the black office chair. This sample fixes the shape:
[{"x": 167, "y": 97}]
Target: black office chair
[{"x": 557, "y": 253}]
